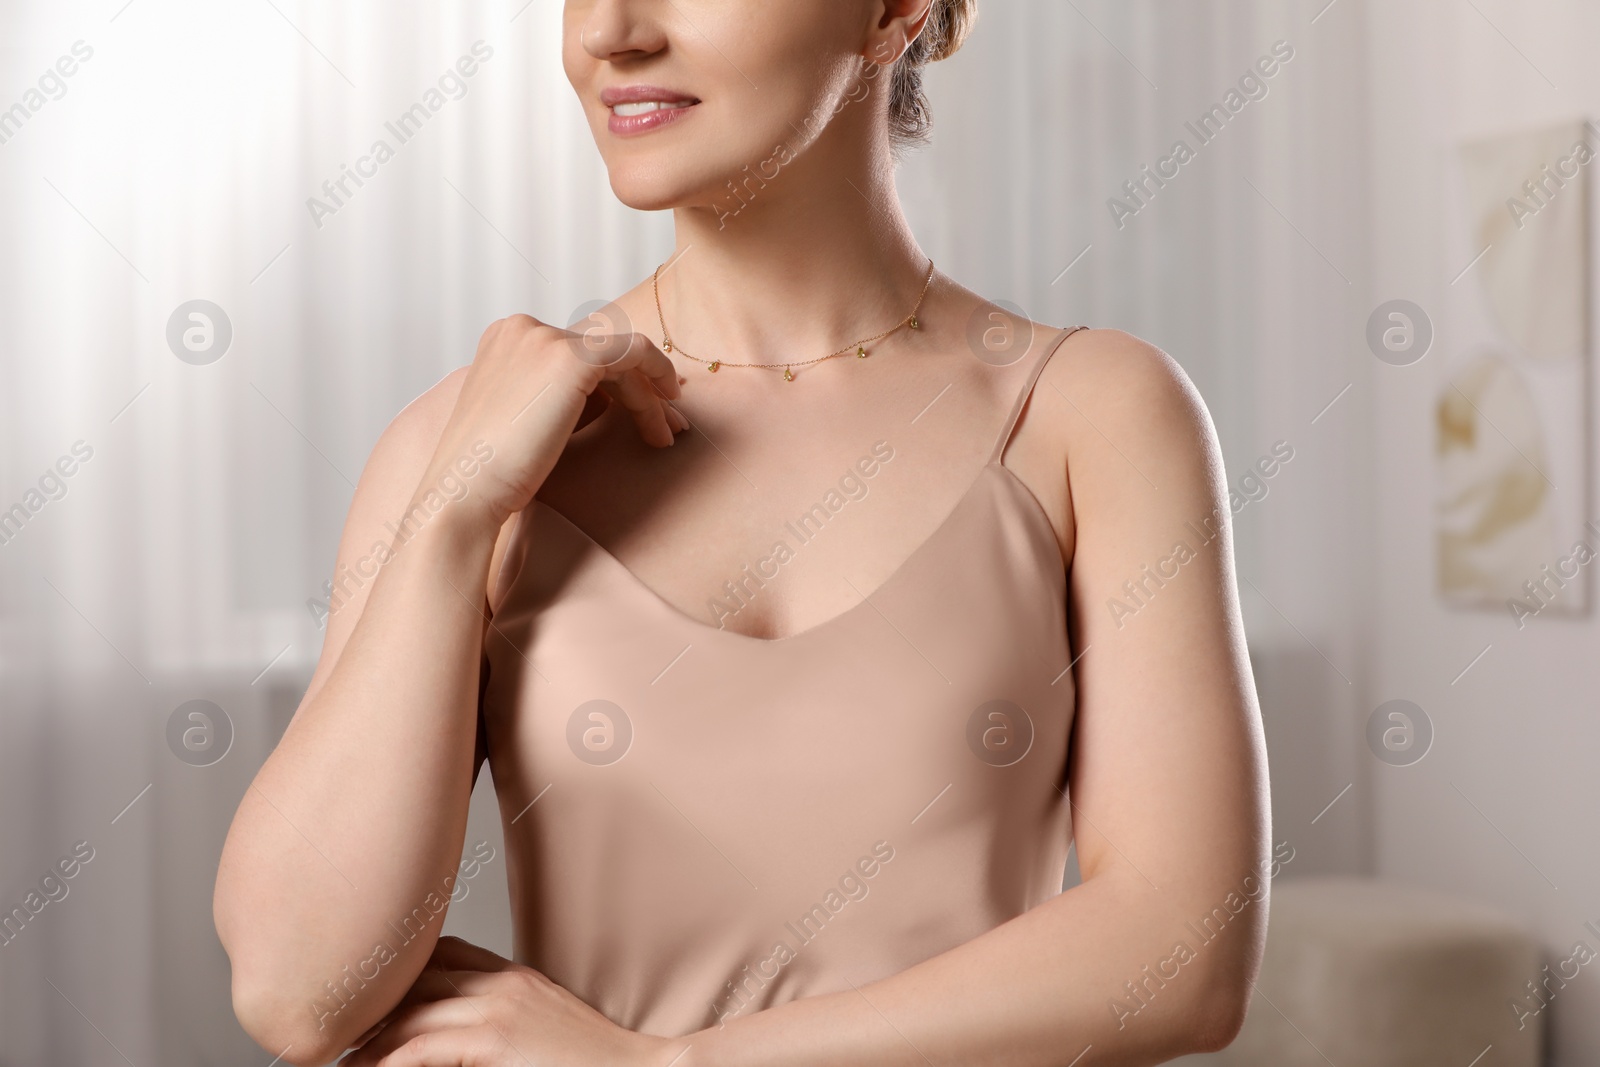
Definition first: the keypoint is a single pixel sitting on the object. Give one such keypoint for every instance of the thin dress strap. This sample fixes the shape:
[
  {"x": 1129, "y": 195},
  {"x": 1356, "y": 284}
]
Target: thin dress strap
[{"x": 1027, "y": 391}]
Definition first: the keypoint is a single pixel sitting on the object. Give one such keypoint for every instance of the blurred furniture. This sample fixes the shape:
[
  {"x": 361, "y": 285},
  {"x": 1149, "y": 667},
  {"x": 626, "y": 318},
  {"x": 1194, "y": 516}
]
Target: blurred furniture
[{"x": 1365, "y": 972}]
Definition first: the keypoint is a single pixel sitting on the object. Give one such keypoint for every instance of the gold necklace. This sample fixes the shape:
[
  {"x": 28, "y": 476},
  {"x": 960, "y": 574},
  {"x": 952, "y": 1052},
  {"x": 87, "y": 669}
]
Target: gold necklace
[{"x": 858, "y": 347}]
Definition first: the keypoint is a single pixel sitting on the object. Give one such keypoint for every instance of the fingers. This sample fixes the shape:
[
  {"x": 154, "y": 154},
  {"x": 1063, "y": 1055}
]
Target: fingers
[
  {"x": 454, "y": 954},
  {"x": 434, "y": 985},
  {"x": 643, "y": 380},
  {"x": 636, "y": 374},
  {"x": 615, "y": 354},
  {"x": 471, "y": 1043},
  {"x": 645, "y": 406},
  {"x": 658, "y": 367},
  {"x": 405, "y": 1024}
]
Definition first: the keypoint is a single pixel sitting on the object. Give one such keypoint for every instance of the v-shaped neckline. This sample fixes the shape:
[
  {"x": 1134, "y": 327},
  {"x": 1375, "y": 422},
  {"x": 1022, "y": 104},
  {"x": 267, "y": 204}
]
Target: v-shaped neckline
[{"x": 1032, "y": 510}]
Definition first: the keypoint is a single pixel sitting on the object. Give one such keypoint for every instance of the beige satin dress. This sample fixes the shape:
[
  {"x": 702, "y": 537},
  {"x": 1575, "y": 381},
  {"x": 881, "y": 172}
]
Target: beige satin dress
[{"x": 702, "y": 824}]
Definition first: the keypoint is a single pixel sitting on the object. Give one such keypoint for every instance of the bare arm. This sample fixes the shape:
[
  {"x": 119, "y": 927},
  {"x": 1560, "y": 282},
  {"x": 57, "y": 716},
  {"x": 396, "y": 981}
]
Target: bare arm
[
  {"x": 338, "y": 868},
  {"x": 1168, "y": 782}
]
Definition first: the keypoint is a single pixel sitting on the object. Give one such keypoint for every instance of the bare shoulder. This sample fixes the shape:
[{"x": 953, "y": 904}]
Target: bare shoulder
[
  {"x": 407, "y": 443},
  {"x": 1118, "y": 400},
  {"x": 1113, "y": 368}
]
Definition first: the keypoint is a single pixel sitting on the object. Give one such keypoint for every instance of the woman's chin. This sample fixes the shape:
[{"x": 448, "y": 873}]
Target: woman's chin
[
  {"x": 643, "y": 194},
  {"x": 648, "y": 189}
]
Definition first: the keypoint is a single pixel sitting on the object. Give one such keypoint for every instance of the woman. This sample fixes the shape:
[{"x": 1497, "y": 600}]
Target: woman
[{"x": 790, "y": 605}]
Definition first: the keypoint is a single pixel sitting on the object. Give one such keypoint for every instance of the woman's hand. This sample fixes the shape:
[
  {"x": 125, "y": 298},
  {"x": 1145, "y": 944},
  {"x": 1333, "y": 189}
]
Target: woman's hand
[
  {"x": 525, "y": 392},
  {"x": 472, "y": 1008}
]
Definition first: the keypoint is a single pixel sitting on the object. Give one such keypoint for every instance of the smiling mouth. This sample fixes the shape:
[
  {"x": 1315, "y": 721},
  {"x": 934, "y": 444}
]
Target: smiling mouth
[
  {"x": 645, "y": 107},
  {"x": 641, "y": 109}
]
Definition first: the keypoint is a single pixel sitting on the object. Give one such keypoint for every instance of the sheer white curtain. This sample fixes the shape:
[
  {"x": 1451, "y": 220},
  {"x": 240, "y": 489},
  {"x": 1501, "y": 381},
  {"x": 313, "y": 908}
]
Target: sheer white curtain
[{"x": 176, "y": 166}]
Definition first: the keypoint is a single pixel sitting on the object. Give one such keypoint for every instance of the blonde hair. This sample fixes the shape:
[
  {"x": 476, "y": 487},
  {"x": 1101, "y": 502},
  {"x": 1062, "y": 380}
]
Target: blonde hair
[{"x": 910, "y": 117}]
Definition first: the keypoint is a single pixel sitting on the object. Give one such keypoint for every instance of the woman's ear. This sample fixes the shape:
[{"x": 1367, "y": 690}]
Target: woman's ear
[{"x": 900, "y": 22}]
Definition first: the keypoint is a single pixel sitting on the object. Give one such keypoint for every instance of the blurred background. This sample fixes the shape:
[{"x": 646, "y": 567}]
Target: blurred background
[{"x": 1378, "y": 258}]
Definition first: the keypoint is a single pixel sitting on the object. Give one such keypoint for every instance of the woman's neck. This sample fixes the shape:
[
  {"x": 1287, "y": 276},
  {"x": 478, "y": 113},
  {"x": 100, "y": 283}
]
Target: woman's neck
[{"x": 809, "y": 256}]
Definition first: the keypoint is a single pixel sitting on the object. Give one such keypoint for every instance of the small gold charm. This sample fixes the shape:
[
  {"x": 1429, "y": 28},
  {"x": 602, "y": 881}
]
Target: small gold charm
[
  {"x": 713, "y": 365},
  {"x": 914, "y": 323},
  {"x": 788, "y": 375},
  {"x": 666, "y": 346},
  {"x": 861, "y": 353}
]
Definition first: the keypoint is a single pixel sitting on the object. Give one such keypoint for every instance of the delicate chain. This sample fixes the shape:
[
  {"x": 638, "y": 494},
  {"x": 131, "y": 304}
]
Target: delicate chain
[{"x": 857, "y": 347}]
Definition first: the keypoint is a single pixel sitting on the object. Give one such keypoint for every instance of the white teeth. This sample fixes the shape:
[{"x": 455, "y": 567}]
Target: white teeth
[{"x": 644, "y": 107}]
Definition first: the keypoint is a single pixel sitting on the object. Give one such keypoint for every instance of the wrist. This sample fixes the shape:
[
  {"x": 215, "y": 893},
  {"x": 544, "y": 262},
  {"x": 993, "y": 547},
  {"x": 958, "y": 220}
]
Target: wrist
[
  {"x": 453, "y": 537},
  {"x": 454, "y": 494},
  {"x": 666, "y": 1052},
  {"x": 702, "y": 1048}
]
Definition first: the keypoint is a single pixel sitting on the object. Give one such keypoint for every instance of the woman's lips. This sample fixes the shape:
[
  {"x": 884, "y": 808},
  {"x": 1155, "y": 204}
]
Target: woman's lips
[
  {"x": 641, "y": 108},
  {"x": 638, "y": 118}
]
